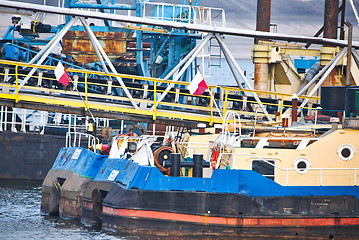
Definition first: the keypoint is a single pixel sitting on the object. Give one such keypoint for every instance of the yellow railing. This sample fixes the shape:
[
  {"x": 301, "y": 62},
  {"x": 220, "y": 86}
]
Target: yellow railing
[{"x": 70, "y": 97}]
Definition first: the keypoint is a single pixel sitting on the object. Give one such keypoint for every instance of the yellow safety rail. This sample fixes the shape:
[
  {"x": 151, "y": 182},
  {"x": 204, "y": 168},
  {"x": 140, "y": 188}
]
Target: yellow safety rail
[{"x": 71, "y": 97}]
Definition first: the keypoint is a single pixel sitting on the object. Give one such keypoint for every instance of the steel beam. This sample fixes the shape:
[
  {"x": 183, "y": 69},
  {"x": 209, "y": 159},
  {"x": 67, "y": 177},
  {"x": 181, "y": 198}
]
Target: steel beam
[
  {"x": 324, "y": 69},
  {"x": 248, "y": 84},
  {"x": 99, "y": 47},
  {"x": 100, "y": 58},
  {"x": 170, "y": 24},
  {"x": 103, "y": 6},
  {"x": 44, "y": 53},
  {"x": 184, "y": 68},
  {"x": 327, "y": 73}
]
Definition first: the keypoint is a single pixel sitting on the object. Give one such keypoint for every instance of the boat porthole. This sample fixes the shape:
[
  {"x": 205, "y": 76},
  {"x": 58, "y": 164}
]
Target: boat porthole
[
  {"x": 346, "y": 152},
  {"x": 302, "y": 165}
]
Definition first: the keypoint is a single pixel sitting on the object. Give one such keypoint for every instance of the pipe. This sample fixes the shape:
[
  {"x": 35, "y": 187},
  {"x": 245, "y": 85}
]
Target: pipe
[
  {"x": 98, "y": 45},
  {"x": 324, "y": 69},
  {"x": 263, "y": 17},
  {"x": 349, "y": 55},
  {"x": 249, "y": 86},
  {"x": 331, "y": 19}
]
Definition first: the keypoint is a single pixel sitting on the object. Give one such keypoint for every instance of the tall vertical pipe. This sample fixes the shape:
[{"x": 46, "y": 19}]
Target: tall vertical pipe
[
  {"x": 261, "y": 76},
  {"x": 331, "y": 31},
  {"x": 263, "y": 16},
  {"x": 331, "y": 19},
  {"x": 342, "y": 20}
]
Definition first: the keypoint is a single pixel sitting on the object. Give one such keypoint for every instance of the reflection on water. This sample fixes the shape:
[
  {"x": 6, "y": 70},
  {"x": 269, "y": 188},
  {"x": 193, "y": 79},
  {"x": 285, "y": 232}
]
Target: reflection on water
[{"x": 20, "y": 218}]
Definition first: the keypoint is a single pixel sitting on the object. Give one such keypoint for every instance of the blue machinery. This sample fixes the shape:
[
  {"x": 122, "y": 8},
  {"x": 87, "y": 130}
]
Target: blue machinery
[{"x": 155, "y": 52}]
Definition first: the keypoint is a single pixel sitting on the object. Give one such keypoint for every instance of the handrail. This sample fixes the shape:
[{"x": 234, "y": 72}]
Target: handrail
[
  {"x": 36, "y": 121},
  {"x": 74, "y": 139},
  {"x": 70, "y": 97},
  {"x": 254, "y": 156},
  {"x": 187, "y": 13}
]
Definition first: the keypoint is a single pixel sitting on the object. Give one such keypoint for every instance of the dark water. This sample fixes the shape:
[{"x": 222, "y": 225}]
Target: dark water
[{"x": 20, "y": 218}]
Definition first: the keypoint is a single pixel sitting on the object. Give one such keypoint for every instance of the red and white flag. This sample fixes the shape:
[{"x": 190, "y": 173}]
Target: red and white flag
[
  {"x": 198, "y": 85},
  {"x": 61, "y": 75}
]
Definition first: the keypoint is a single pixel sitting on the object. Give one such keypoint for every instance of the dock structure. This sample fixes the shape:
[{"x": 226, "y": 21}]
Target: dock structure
[
  {"x": 165, "y": 100},
  {"x": 89, "y": 91}
]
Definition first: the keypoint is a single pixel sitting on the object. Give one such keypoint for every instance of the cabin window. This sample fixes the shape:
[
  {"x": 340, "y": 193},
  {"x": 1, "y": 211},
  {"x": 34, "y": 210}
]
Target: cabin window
[
  {"x": 302, "y": 165},
  {"x": 264, "y": 168},
  {"x": 346, "y": 152}
]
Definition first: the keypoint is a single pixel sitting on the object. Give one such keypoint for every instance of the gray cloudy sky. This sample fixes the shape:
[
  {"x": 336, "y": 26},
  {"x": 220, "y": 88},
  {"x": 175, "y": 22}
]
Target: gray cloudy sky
[{"x": 299, "y": 17}]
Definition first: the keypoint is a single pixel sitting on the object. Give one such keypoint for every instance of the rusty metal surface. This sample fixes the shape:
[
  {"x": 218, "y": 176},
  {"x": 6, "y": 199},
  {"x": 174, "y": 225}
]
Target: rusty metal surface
[
  {"x": 263, "y": 16},
  {"x": 331, "y": 19},
  {"x": 261, "y": 77},
  {"x": 77, "y": 44}
]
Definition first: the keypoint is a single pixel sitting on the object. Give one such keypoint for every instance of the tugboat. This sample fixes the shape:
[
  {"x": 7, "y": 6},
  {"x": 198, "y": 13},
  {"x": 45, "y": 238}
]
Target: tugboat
[{"x": 306, "y": 191}]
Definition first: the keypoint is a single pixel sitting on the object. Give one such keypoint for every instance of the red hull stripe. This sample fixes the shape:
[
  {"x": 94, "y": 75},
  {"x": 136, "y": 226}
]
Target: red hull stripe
[{"x": 230, "y": 221}]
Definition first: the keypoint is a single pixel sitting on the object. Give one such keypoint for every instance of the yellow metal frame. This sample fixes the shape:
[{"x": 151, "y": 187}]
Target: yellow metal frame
[{"x": 193, "y": 112}]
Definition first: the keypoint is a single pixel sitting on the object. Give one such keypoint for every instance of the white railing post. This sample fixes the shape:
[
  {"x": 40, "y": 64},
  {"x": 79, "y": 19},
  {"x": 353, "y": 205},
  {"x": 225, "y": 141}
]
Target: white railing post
[
  {"x": 355, "y": 177},
  {"x": 5, "y": 120},
  {"x": 42, "y": 122},
  {"x": 13, "y": 128},
  {"x": 1, "y": 117},
  {"x": 23, "y": 121},
  {"x": 67, "y": 139},
  {"x": 109, "y": 87},
  {"x": 69, "y": 125},
  {"x": 76, "y": 81},
  {"x": 39, "y": 80},
  {"x": 79, "y": 135},
  {"x": 75, "y": 136}
]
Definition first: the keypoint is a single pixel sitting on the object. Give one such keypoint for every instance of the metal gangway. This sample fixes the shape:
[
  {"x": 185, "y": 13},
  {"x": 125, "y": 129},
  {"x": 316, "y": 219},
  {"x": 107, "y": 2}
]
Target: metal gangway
[{"x": 86, "y": 95}]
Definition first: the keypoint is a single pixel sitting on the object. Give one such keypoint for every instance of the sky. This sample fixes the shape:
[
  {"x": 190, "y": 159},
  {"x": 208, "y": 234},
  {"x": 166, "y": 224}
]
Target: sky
[{"x": 297, "y": 17}]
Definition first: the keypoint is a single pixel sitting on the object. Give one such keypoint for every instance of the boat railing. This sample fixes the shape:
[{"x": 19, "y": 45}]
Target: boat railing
[
  {"x": 185, "y": 13},
  {"x": 261, "y": 142},
  {"x": 84, "y": 140},
  {"x": 23, "y": 120},
  {"x": 287, "y": 170}
]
